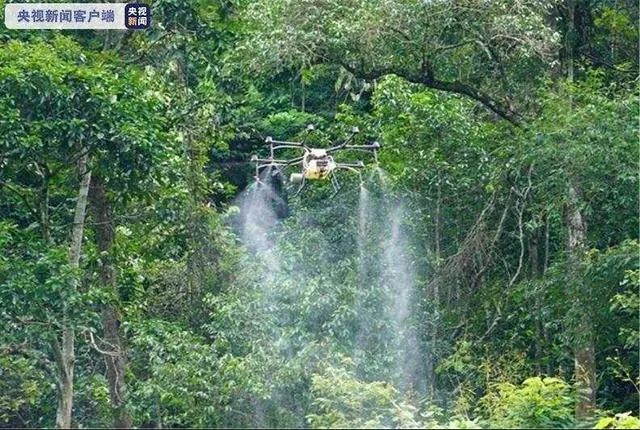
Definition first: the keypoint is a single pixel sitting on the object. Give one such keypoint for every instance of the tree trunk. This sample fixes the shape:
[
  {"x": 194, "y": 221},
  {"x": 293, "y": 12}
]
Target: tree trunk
[
  {"x": 64, "y": 361},
  {"x": 64, "y": 353},
  {"x": 535, "y": 272},
  {"x": 583, "y": 339},
  {"x": 44, "y": 204},
  {"x": 584, "y": 349},
  {"x": 435, "y": 298},
  {"x": 115, "y": 360}
]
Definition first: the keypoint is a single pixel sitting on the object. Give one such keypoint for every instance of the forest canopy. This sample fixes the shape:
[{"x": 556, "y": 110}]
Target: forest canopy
[{"x": 480, "y": 269}]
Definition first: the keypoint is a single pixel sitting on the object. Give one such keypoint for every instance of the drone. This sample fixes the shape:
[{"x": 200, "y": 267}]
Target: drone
[{"x": 316, "y": 163}]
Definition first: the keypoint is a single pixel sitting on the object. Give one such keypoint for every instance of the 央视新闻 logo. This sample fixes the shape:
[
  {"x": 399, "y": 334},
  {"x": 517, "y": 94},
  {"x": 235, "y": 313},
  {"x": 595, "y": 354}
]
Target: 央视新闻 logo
[{"x": 137, "y": 16}]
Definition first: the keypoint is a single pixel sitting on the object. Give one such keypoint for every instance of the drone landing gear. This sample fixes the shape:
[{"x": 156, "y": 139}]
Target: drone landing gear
[
  {"x": 352, "y": 167},
  {"x": 336, "y": 185},
  {"x": 297, "y": 178}
]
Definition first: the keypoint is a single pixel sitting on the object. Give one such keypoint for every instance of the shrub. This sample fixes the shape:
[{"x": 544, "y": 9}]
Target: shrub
[
  {"x": 537, "y": 403},
  {"x": 619, "y": 421},
  {"x": 342, "y": 401}
]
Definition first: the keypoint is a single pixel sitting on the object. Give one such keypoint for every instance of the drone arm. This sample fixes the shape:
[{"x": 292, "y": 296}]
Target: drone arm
[
  {"x": 283, "y": 144},
  {"x": 350, "y": 166},
  {"x": 278, "y": 144},
  {"x": 255, "y": 159},
  {"x": 263, "y": 162},
  {"x": 288, "y": 145},
  {"x": 375, "y": 146},
  {"x": 344, "y": 144},
  {"x": 294, "y": 161},
  {"x": 372, "y": 147}
]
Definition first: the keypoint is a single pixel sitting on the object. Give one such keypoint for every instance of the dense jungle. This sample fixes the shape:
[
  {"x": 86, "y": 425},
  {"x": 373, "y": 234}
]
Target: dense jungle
[{"x": 479, "y": 270}]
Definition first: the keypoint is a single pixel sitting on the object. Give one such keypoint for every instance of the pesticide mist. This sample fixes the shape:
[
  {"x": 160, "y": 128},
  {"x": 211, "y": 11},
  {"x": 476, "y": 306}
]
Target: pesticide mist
[{"x": 337, "y": 293}]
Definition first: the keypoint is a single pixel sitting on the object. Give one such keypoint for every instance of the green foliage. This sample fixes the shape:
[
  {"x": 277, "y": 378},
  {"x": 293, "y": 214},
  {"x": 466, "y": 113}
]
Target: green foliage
[
  {"x": 22, "y": 386},
  {"x": 343, "y": 401},
  {"x": 289, "y": 123},
  {"x": 619, "y": 421},
  {"x": 381, "y": 38},
  {"x": 36, "y": 281},
  {"x": 585, "y": 131},
  {"x": 177, "y": 374},
  {"x": 537, "y": 403},
  {"x": 92, "y": 404},
  {"x": 300, "y": 332},
  {"x": 627, "y": 302}
]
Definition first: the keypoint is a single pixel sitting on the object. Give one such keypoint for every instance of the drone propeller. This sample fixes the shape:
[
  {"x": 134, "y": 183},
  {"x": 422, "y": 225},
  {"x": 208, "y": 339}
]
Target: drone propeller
[{"x": 310, "y": 129}]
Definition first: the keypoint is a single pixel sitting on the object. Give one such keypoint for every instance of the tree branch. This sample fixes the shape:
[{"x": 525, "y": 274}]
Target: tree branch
[
  {"x": 22, "y": 197},
  {"x": 427, "y": 78}
]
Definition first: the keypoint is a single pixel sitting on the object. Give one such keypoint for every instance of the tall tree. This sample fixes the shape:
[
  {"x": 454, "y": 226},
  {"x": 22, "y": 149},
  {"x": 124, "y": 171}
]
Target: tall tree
[
  {"x": 64, "y": 349},
  {"x": 88, "y": 114},
  {"x": 113, "y": 352},
  {"x": 473, "y": 48}
]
